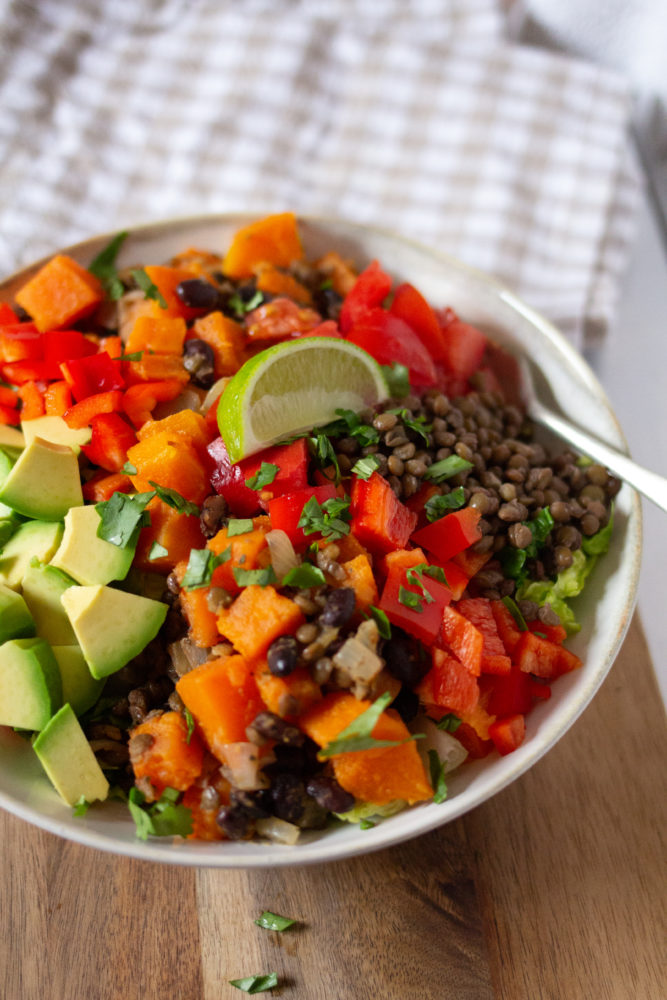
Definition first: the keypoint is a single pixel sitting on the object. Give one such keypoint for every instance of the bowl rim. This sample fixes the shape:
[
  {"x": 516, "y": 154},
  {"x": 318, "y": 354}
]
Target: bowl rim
[{"x": 262, "y": 854}]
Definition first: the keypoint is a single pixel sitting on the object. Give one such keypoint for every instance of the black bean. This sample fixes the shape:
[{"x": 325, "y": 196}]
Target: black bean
[
  {"x": 199, "y": 361},
  {"x": 233, "y": 821},
  {"x": 213, "y": 516},
  {"x": 327, "y": 301},
  {"x": 289, "y": 760},
  {"x": 287, "y": 796},
  {"x": 328, "y": 793},
  {"x": 272, "y": 727},
  {"x": 339, "y": 607},
  {"x": 283, "y": 655},
  {"x": 257, "y": 804},
  {"x": 196, "y": 293},
  {"x": 404, "y": 659},
  {"x": 406, "y": 703}
]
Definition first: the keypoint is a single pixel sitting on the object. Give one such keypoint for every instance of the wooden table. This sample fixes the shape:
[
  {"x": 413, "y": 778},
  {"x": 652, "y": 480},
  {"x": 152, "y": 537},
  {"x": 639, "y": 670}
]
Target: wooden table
[{"x": 553, "y": 889}]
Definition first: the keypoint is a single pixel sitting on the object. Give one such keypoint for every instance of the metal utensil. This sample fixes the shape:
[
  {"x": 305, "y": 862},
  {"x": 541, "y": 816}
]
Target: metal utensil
[{"x": 650, "y": 484}]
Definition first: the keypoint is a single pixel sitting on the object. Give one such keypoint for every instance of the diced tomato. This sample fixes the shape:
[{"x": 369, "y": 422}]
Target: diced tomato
[
  {"x": 389, "y": 339},
  {"x": 450, "y": 534},
  {"x": 379, "y": 520},
  {"x": 544, "y": 658},
  {"x": 508, "y": 733},
  {"x": 57, "y": 398},
  {"x": 285, "y": 512},
  {"x": 494, "y": 658},
  {"x": 449, "y": 685},
  {"x": 464, "y": 345},
  {"x": 464, "y": 639},
  {"x": 410, "y": 305},
  {"x": 230, "y": 479},
  {"x": 369, "y": 291},
  {"x": 424, "y": 620}
]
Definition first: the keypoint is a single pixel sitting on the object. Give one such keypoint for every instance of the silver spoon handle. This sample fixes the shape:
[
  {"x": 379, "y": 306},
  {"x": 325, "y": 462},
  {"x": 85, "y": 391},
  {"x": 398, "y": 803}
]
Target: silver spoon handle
[{"x": 649, "y": 483}]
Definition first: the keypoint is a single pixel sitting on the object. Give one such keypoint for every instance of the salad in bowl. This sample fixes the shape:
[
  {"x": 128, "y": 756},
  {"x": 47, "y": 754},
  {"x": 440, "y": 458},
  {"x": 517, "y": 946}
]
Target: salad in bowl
[{"x": 283, "y": 560}]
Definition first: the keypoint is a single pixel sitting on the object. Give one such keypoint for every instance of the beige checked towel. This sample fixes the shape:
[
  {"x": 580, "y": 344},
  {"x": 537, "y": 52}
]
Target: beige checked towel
[{"x": 418, "y": 116}]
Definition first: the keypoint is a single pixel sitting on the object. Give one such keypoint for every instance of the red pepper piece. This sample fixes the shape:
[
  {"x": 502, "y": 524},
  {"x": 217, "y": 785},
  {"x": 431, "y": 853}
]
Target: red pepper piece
[
  {"x": 464, "y": 639},
  {"x": 140, "y": 400},
  {"x": 369, "y": 291},
  {"x": 285, "y": 512},
  {"x": 457, "y": 579},
  {"x": 450, "y": 534},
  {"x": 539, "y": 689},
  {"x": 464, "y": 345},
  {"x": 20, "y": 342},
  {"x": 66, "y": 345},
  {"x": 507, "y": 694},
  {"x": 9, "y": 415},
  {"x": 32, "y": 401},
  {"x": 411, "y": 306},
  {"x": 388, "y": 339},
  {"x": 111, "y": 438},
  {"x": 478, "y": 611},
  {"x": 230, "y": 479},
  {"x": 57, "y": 398},
  {"x": 544, "y": 658},
  {"x": 417, "y": 502},
  {"x": 449, "y": 685},
  {"x": 8, "y": 397},
  {"x": 379, "y": 520},
  {"x": 102, "y": 486},
  {"x": 508, "y": 630},
  {"x": 554, "y": 633},
  {"x": 508, "y": 733},
  {"x": 7, "y": 314},
  {"x": 471, "y": 741},
  {"x": 423, "y": 624},
  {"x": 81, "y": 414},
  {"x": 19, "y": 372},
  {"x": 280, "y": 319},
  {"x": 88, "y": 376},
  {"x": 329, "y": 328}
]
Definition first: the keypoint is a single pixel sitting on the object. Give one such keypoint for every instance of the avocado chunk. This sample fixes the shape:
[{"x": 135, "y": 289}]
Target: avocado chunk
[
  {"x": 80, "y": 689},
  {"x": 111, "y": 626},
  {"x": 30, "y": 686},
  {"x": 16, "y": 622},
  {"x": 8, "y": 526},
  {"x": 11, "y": 438},
  {"x": 69, "y": 761},
  {"x": 44, "y": 483},
  {"x": 84, "y": 556},
  {"x": 32, "y": 540},
  {"x": 56, "y": 430},
  {"x": 42, "y": 587},
  {"x": 6, "y": 464}
]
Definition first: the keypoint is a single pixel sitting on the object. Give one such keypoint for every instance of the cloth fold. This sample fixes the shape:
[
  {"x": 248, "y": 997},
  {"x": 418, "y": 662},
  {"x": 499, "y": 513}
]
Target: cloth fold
[{"x": 421, "y": 117}]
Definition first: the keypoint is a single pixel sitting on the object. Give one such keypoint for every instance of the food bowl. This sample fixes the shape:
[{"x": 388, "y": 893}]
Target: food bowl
[{"x": 604, "y": 609}]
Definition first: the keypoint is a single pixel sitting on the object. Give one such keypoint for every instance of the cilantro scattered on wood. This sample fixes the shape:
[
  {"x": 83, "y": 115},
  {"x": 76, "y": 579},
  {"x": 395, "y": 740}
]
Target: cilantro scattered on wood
[
  {"x": 274, "y": 922},
  {"x": 264, "y": 476},
  {"x": 357, "y": 735},
  {"x": 437, "y": 506},
  {"x": 104, "y": 267},
  {"x": 437, "y": 773},
  {"x": 256, "y": 984},
  {"x": 164, "y": 818},
  {"x": 150, "y": 290},
  {"x": 448, "y": 467},
  {"x": 331, "y": 519}
]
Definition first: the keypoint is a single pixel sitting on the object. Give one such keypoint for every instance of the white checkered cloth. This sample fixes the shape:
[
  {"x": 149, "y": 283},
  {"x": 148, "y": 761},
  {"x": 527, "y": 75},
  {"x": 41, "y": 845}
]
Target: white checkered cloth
[{"x": 418, "y": 116}]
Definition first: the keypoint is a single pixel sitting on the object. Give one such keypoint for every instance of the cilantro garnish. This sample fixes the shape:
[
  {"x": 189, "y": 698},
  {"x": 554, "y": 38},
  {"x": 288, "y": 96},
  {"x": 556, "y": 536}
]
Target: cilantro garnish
[
  {"x": 410, "y": 600},
  {"x": 416, "y": 424},
  {"x": 304, "y": 576},
  {"x": 157, "y": 551},
  {"x": 366, "y": 824},
  {"x": 129, "y": 469},
  {"x": 121, "y": 517},
  {"x": 324, "y": 453},
  {"x": 150, "y": 290},
  {"x": 366, "y": 466},
  {"x": 256, "y": 984},
  {"x": 190, "y": 723},
  {"x": 415, "y": 576},
  {"x": 513, "y": 560},
  {"x": 134, "y": 356},
  {"x": 448, "y": 467},
  {"x": 437, "y": 506},
  {"x": 264, "y": 476},
  {"x": 201, "y": 564},
  {"x": 381, "y": 620},
  {"x": 515, "y": 612},
  {"x": 254, "y": 577},
  {"x": 241, "y": 307},
  {"x": 164, "y": 818},
  {"x": 437, "y": 772},
  {"x": 397, "y": 378},
  {"x": 448, "y": 723},
  {"x": 274, "y": 922},
  {"x": 239, "y": 526},
  {"x": 357, "y": 735},
  {"x": 175, "y": 500},
  {"x": 81, "y": 806},
  {"x": 331, "y": 519},
  {"x": 349, "y": 425},
  {"x": 104, "y": 267}
]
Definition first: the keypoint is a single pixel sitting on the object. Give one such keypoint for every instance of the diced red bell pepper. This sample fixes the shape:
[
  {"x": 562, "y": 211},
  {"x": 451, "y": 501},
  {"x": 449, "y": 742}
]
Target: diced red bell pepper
[
  {"x": 8, "y": 397},
  {"x": 464, "y": 345},
  {"x": 57, "y": 398},
  {"x": 230, "y": 479},
  {"x": 410, "y": 305},
  {"x": 544, "y": 658},
  {"x": 369, "y": 291},
  {"x": 417, "y": 502},
  {"x": 470, "y": 561},
  {"x": 279, "y": 319},
  {"x": 507, "y": 694},
  {"x": 111, "y": 438},
  {"x": 32, "y": 401},
  {"x": 102, "y": 486},
  {"x": 464, "y": 639},
  {"x": 508, "y": 630},
  {"x": 66, "y": 345},
  {"x": 508, "y": 733},
  {"x": 478, "y": 611},
  {"x": 450, "y": 534},
  {"x": 20, "y": 342},
  {"x": 449, "y": 685},
  {"x": 285, "y": 512},
  {"x": 140, "y": 400},
  {"x": 9, "y": 415},
  {"x": 471, "y": 741},
  {"x": 539, "y": 689},
  {"x": 423, "y": 624},
  {"x": 329, "y": 328},
  {"x": 389, "y": 339},
  {"x": 554, "y": 633},
  {"x": 81, "y": 414},
  {"x": 89, "y": 376},
  {"x": 19, "y": 372},
  {"x": 7, "y": 314},
  {"x": 379, "y": 520}
]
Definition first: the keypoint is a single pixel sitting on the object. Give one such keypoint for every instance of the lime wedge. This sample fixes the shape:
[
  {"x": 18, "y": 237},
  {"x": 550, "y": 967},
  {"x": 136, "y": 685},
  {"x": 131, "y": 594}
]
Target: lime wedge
[{"x": 293, "y": 386}]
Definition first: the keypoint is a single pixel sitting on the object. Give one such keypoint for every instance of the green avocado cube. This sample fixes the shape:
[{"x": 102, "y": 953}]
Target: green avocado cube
[
  {"x": 42, "y": 587},
  {"x": 86, "y": 557},
  {"x": 80, "y": 689},
  {"x": 44, "y": 483},
  {"x": 16, "y": 622},
  {"x": 68, "y": 759},
  {"x": 31, "y": 540},
  {"x": 30, "y": 685},
  {"x": 111, "y": 626},
  {"x": 11, "y": 438},
  {"x": 56, "y": 430}
]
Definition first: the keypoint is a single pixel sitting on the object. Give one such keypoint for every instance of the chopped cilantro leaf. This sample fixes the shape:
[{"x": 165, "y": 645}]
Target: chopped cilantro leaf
[
  {"x": 239, "y": 526},
  {"x": 134, "y": 356},
  {"x": 366, "y": 824},
  {"x": 415, "y": 576},
  {"x": 448, "y": 723},
  {"x": 304, "y": 576},
  {"x": 190, "y": 723},
  {"x": 201, "y": 564},
  {"x": 81, "y": 806},
  {"x": 150, "y": 290},
  {"x": 349, "y": 425},
  {"x": 121, "y": 517},
  {"x": 437, "y": 506},
  {"x": 357, "y": 735},
  {"x": 410, "y": 600},
  {"x": 397, "y": 378},
  {"x": 104, "y": 267},
  {"x": 241, "y": 307},
  {"x": 157, "y": 551},
  {"x": 448, "y": 467},
  {"x": 254, "y": 577},
  {"x": 416, "y": 424},
  {"x": 331, "y": 519},
  {"x": 274, "y": 922},
  {"x": 381, "y": 620},
  {"x": 324, "y": 453},
  {"x": 366, "y": 466},
  {"x": 129, "y": 469},
  {"x": 256, "y": 984},
  {"x": 164, "y": 818},
  {"x": 437, "y": 773},
  {"x": 515, "y": 612},
  {"x": 175, "y": 500},
  {"x": 264, "y": 476}
]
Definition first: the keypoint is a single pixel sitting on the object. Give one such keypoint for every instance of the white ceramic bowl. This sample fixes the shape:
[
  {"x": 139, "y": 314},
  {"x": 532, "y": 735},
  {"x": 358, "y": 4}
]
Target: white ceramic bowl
[{"x": 604, "y": 609}]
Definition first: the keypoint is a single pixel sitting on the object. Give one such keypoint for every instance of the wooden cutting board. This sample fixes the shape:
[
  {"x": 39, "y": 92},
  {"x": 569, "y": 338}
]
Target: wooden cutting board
[{"x": 554, "y": 889}]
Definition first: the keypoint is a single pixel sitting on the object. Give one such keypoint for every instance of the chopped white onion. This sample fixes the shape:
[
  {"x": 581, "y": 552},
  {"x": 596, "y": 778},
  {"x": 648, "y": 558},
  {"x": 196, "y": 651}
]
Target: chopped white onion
[
  {"x": 283, "y": 556},
  {"x": 449, "y": 750},
  {"x": 185, "y": 655},
  {"x": 212, "y": 394},
  {"x": 188, "y": 399},
  {"x": 277, "y": 830},
  {"x": 242, "y": 765}
]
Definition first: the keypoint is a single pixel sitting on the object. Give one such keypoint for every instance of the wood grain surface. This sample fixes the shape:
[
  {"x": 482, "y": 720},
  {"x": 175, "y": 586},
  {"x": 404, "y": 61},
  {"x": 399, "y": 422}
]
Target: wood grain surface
[{"x": 553, "y": 890}]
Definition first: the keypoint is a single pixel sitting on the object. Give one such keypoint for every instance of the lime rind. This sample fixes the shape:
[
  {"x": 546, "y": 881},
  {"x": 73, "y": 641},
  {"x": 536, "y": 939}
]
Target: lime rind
[{"x": 294, "y": 386}]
